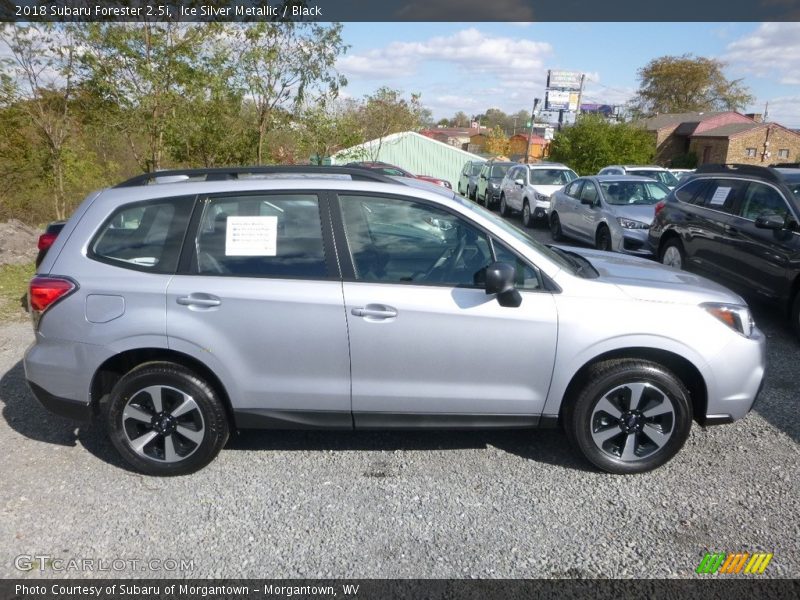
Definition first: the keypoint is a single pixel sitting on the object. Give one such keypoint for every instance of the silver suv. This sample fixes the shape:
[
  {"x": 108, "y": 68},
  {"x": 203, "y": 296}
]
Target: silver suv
[{"x": 340, "y": 298}]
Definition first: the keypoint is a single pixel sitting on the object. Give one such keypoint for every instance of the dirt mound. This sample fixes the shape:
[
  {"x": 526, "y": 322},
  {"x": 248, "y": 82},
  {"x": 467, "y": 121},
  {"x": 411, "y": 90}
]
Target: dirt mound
[{"x": 17, "y": 243}]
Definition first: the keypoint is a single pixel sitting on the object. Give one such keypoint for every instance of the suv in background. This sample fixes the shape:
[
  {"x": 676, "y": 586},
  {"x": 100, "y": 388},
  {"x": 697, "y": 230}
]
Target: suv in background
[
  {"x": 527, "y": 188},
  {"x": 468, "y": 180},
  {"x": 738, "y": 224},
  {"x": 489, "y": 180},
  {"x": 653, "y": 171},
  {"x": 328, "y": 297}
]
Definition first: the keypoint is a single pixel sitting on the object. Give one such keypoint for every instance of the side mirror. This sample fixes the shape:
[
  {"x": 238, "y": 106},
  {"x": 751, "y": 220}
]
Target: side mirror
[
  {"x": 500, "y": 280},
  {"x": 483, "y": 176},
  {"x": 519, "y": 182},
  {"x": 774, "y": 222}
]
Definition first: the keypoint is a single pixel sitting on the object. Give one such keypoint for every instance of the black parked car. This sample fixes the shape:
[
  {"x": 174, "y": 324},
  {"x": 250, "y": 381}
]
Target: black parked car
[
  {"x": 739, "y": 224},
  {"x": 47, "y": 238}
]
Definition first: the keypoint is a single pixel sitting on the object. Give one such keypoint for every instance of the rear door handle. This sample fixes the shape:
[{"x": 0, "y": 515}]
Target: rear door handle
[
  {"x": 376, "y": 311},
  {"x": 204, "y": 300}
]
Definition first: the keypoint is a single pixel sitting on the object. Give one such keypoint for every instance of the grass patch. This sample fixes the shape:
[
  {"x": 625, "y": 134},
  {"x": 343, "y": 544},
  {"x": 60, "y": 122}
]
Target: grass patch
[{"x": 13, "y": 285}]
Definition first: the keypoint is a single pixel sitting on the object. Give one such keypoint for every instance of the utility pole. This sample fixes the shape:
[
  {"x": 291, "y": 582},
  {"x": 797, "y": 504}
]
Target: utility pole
[
  {"x": 530, "y": 132},
  {"x": 580, "y": 95}
]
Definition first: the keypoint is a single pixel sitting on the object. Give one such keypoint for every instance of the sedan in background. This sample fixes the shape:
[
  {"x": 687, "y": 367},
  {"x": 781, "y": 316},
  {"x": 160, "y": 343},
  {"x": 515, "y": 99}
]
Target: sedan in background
[
  {"x": 612, "y": 212},
  {"x": 395, "y": 171}
]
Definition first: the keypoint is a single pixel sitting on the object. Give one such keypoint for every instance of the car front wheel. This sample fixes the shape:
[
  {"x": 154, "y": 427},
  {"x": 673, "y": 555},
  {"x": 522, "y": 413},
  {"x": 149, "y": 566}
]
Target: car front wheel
[
  {"x": 504, "y": 212},
  {"x": 631, "y": 416},
  {"x": 165, "y": 420},
  {"x": 527, "y": 217}
]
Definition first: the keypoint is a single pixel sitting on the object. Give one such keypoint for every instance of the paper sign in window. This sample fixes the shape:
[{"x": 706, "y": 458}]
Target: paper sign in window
[
  {"x": 251, "y": 236},
  {"x": 719, "y": 197}
]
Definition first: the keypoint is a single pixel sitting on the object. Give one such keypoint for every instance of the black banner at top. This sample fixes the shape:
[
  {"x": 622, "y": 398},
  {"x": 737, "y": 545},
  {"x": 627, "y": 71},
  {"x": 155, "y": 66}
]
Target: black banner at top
[{"x": 400, "y": 10}]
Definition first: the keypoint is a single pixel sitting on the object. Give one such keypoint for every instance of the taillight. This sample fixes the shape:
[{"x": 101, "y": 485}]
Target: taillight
[
  {"x": 44, "y": 292},
  {"x": 46, "y": 240},
  {"x": 660, "y": 206}
]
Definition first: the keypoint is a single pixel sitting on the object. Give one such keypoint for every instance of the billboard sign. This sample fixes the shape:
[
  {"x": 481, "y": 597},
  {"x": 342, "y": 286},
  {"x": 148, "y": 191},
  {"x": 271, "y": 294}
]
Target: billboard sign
[
  {"x": 561, "y": 100},
  {"x": 566, "y": 80}
]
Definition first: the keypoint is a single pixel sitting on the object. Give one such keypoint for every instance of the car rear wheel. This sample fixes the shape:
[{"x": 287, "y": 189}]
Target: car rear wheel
[
  {"x": 673, "y": 255},
  {"x": 631, "y": 416},
  {"x": 504, "y": 212},
  {"x": 165, "y": 420},
  {"x": 796, "y": 314},
  {"x": 527, "y": 217},
  {"x": 555, "y": 228},
  {"x": 603, "y": 239}
]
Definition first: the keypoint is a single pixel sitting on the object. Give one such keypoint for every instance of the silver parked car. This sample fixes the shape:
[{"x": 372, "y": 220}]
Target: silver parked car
[
  {"x": 468, "y": 180},
  {"x": 338, "y": 298},
  {"x": 661, "y": 174},
  {"x": 612, "y": 212},
  {"x": 526, "y": 189}
]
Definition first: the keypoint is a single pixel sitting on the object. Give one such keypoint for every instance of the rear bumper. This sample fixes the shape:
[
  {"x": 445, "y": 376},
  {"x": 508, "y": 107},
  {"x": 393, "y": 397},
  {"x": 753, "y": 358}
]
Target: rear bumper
[{"x": 63, "y": 407}]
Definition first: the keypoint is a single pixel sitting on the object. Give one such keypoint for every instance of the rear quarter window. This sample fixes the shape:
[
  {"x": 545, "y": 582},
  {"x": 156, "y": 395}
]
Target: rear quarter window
[{"x": 144, "y": 236}]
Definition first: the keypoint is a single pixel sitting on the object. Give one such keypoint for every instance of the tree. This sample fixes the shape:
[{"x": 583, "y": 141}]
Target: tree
[
  {"x": 497, "y": 143},
  {"x": 38, "y": 79},
  {"x": 283, "y": 65},
  {"x": 672, "y": 84},
  {"x": 593, "y": 143},
  {"x": 386, "y": 112},
  {"x": 328, "y": 128}
]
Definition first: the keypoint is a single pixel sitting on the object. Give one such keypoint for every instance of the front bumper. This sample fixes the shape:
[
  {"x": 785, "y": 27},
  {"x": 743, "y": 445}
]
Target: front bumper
[
  {"x": 541, "y": 208},
  {"x": 632, "y": 241}
]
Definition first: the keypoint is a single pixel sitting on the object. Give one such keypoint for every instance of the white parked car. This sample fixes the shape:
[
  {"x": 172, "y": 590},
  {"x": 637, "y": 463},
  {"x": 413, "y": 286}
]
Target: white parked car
[
  {"x": 527, "y": 189},
  {"x": 652, "y": 171}
]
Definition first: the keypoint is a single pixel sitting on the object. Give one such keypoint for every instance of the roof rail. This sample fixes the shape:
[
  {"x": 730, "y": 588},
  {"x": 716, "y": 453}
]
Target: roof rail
[
  {"x": 739, "y": 169},
  {"x": 786, "y": 165},
  {"x": 232, "y": 173}
]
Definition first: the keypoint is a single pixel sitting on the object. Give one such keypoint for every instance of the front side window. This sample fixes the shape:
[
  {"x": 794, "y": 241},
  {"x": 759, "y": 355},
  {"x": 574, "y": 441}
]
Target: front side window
[
  {"x": 267, "y": 235},
  {"x": 589, "y": 192},
  {"x": 573, "y": 189},
  {"x": 527, "y": 278},
  {"x": 762, "y": 201},
  {"x": 145, "y": 236},
  {"x": 394, "y": 240},
  {"x": 476, "y": 168}
]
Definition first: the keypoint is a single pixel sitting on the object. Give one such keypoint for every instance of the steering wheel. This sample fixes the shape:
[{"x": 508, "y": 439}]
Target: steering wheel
[{"x": 457, "y": 255}]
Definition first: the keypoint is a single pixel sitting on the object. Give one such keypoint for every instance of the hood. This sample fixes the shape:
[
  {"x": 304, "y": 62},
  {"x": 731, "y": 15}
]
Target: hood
[
  {"x": 547, "y": 190},
  {"x": 645, "y": 279},
  {"x": 644, "y": 213}
]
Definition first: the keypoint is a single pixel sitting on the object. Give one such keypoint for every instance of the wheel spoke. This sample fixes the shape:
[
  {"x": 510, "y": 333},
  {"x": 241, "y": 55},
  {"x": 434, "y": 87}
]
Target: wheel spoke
[
  {"x": 630, "y": 446},
  {"x": 186, "y": 406},
  {"x": 636, "y": 393},
  {"x": 155, "y": 391},
  {"x": 137, "y": 414},
  {"x": 169, "y": 449},
  {"x": 662, "y": 409},
  {"x": 189, "y": 434},
  {"x": 658, "y": 438},
  {"x": 140, "y": 442},
  {"x": 605, "y": 406},
  {"x": 601, "y": 437}
]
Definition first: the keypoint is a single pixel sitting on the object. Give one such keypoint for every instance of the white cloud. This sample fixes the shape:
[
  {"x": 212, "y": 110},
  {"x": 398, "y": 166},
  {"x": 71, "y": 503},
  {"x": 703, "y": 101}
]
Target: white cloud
[
  {"x": 785, "y": 110},
  {"x": 772, "y": 50},
  {"x": 469, "y": 49}
]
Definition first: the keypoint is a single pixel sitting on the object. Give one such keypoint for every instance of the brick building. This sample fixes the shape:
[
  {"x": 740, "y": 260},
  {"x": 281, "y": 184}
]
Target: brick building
[{"x": 722, "y": 137}]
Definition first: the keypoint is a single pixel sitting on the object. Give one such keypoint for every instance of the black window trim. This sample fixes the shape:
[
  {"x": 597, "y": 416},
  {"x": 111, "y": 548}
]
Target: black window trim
[
  {"x": 704, "y": 206},
  {"x": 122, "y": 264},
  {"x": 323, "y": 198},
  {"x": 348, "y": 268}
]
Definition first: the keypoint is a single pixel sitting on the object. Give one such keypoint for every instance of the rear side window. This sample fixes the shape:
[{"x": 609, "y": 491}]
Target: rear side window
[
  {"x": 721, "y": 194},
  {"x": 146, "y": 236},
  {"x": 691, "y": 192},
  {"x": 267, "y": 235}
]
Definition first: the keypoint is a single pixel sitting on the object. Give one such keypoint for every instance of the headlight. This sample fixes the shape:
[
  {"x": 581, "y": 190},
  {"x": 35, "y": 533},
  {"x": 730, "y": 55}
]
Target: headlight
[
  {"x": 631, "y": 224},
  {"x": 735, "y": 316},
  {"x": 541, "y": 197},
  {"x": 492, "y": 186}
]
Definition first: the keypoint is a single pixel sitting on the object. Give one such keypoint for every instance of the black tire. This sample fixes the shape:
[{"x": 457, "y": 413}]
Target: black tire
[
  {"x": 603, "y": 239},
  {"x": 555, "y": 228},
  {"x": 673, "y": 254},
  {"x": 586, "y": 421},
  {"x": 132, "y": 400},
  {"x": 796, "y": 314},
  {"x": 471, "y": 195},
  {"x": 527, "y": 217},
  {"x": 504, "y": 210}
]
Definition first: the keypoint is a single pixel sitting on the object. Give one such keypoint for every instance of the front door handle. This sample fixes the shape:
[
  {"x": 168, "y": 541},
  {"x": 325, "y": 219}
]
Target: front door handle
[
  {"x": 376, "y": 311},
  {"x": 204, "y": 300}
]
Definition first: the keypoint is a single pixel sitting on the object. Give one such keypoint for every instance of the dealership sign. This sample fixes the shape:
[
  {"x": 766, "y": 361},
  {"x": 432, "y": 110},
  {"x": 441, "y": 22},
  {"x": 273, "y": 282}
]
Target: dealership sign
[
  {"x": 565, "y": 80},
  {"x": 561, "y": 100}
]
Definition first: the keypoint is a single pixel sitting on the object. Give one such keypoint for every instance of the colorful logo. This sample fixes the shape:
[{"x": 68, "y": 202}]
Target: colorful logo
[{"x": 739, "y": 562}]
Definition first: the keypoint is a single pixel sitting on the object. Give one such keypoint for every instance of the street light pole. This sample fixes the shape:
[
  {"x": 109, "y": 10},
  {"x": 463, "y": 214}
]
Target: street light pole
[{"x": 530, "y": 132}]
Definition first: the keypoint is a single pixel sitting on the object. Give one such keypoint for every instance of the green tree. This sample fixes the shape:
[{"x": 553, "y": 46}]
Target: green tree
[
  {"x": 328, "y": 128},
  {"x": 593, "y": 143},
  {"x": 283, "y": 65},
  {"x": 386, "y": 112},
  {"x": 672, "y": 84}
]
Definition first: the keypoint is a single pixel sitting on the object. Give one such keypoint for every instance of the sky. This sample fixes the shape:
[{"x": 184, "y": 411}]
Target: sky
[{"x": 475, "y": 66}]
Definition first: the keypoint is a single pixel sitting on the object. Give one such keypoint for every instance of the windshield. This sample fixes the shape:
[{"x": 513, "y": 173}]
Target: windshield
[
  {"x": 618, "y": 193},
  {"x": 552, "y": 176},
  {"x": 476, "y": 168},
  {"x": 664, "y": 177},
  {"x": 498, "y": 171},
  {"x": 518, "y": 234}
]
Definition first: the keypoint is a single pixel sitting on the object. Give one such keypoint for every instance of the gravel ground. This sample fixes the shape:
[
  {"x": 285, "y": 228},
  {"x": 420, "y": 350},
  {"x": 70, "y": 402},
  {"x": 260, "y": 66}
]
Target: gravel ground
[{"x": 430, "y": 504}]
